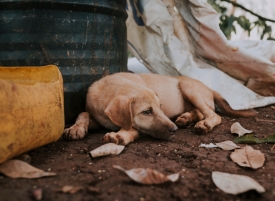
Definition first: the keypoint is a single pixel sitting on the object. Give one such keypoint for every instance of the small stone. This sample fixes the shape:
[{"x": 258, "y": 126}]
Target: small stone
[
  {"x": 24, "y": 157},
  {"x": 93, "y": 189},
  {"x": 37, "y": 194}
]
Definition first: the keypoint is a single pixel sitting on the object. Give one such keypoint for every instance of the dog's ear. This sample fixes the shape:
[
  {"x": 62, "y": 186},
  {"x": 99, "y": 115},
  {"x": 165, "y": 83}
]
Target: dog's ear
[{"x": 119, "y": 112}]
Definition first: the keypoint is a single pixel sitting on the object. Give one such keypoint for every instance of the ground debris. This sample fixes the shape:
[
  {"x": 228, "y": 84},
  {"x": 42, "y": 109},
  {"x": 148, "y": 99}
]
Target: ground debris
[
  {"x": 24, "y": 157},
  {"x": 251, "y": 139},
  {"x": 71, "y": 189},
  {"x": 107, "y": 149},
  {"x": 148, "y": 176},
  {"x": 238, "y": 129},
  {"x": 248, "y": 157},
  {"x": 37, "y": 194},
  {"x": 91, "y": 189},
  {"x": 235, "y": 184},
  {"x": 264, "y": 120},
  {"x": 211, "y": 145},
  {"x": 227, "y": 145},
  {"x": 19, "y": 169}
]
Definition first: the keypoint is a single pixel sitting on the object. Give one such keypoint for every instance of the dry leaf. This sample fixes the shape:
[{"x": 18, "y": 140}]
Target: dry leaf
[
  {"x": 235, "y": 184},
  {"x": 238, "y": 129},
  {"x": 227, "y": 145},
  {"x": 19, "y": 169},
  {"x": 211, "y": 145},
  {"x": 248, "y": 157},
  {"x": 37, "y": 194},
  {"x": 71, "y": 189},
  {"x": 148, "y": 176},
  {"x": 107, "y": 149}
]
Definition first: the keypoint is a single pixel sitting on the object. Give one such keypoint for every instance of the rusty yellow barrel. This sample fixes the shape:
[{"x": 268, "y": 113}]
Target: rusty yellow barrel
[{"x": 31, "y": 108}]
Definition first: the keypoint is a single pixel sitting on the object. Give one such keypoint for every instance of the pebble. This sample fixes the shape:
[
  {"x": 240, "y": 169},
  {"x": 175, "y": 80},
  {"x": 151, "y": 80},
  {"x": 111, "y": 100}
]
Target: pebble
[
  {"x": 93, "y": 189},
  {"x": 37, "y": 194},
  {"x": 24, "y": 157}
]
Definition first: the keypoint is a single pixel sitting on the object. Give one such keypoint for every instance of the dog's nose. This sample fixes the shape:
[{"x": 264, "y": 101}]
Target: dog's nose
[{"x": 173, "y": 129}]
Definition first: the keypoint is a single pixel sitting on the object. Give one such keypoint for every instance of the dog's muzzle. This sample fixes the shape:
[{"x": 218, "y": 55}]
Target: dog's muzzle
[{"x": 173, "y": 129}]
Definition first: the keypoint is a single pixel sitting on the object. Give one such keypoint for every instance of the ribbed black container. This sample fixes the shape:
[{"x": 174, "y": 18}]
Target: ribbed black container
[{"x": 86, "y": 39}]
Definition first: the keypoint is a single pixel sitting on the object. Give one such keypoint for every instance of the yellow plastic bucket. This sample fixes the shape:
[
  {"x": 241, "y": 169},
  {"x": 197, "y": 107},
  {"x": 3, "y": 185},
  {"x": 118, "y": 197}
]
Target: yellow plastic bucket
[{"x": 31, "y": 108}]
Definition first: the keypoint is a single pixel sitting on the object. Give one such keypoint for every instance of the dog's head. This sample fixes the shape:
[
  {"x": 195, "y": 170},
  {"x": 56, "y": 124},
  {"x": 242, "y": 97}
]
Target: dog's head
[{"x": 142, "y": 111}]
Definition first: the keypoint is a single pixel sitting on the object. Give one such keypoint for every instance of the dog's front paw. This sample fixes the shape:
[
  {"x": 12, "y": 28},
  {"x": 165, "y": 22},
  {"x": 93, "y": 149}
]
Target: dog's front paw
[
  {"x": 202, "y": 127},
  {"x": 75, "y": 132},
  {"x": 113, "y": 137},
  {"x": 183, "y": 120}
]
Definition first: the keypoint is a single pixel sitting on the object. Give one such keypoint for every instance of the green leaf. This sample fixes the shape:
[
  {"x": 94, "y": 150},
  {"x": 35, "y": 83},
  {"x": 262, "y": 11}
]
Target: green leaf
[
  {"x": 226, "y": 25},
  {"x": 244, "y": 23},
  {"x": 217, "y": 6},
  {"x": 268, "y": 29},
  {"x": 251, "y": 139}
]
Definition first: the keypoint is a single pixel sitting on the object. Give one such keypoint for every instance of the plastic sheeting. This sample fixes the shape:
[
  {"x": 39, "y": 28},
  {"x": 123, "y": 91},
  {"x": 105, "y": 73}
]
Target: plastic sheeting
[{"x": 182, "y": 37}]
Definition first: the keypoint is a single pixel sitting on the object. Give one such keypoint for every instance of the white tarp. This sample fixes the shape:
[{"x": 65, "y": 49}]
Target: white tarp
[{"x": 182, "y": 37}]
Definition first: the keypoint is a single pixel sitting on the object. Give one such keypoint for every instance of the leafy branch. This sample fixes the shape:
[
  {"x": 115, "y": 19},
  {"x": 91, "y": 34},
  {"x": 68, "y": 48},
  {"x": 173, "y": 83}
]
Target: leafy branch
[
  {"x": 228, "y": 22},
  {"x": 244, "y": 8}
]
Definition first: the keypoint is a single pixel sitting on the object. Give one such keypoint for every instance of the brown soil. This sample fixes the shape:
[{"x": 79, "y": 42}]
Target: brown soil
[{"x": 100, "y": 181}]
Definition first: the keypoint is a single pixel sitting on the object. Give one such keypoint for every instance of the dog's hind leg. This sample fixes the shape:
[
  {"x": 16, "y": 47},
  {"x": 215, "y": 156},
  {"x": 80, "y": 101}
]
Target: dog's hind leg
[
  {"x": 187, "y": 118},
  {"x": 202, "y": 98},
  {"x": 122, "y": 136},
  {"x": 80, "y": 128}
]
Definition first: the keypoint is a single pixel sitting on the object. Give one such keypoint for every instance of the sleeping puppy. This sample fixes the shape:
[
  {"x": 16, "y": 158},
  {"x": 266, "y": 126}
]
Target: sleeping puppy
[{"x": 129, "y": 104}]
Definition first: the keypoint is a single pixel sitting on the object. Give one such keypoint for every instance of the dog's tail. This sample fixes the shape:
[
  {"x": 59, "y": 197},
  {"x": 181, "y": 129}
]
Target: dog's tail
[{"x": 225, "y": 108}]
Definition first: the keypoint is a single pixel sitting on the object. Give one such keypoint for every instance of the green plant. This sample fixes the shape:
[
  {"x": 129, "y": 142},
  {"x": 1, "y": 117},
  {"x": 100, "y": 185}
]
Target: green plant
[{"x": 229, "y": 21}]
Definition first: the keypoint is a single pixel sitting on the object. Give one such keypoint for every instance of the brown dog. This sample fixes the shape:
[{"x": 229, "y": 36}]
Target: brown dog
[{"x": 129, "y": 104}]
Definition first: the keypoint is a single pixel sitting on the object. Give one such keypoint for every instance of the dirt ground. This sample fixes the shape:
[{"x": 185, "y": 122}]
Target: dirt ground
[{"x": 100, "y": 181}]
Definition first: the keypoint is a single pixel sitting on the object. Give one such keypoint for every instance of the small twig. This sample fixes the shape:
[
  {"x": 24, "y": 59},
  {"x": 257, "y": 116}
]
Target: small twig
[
  {"x": 272, "y": 147},
  {"x": 264, "y": 120},
  {"x": 244, "y": 8}
]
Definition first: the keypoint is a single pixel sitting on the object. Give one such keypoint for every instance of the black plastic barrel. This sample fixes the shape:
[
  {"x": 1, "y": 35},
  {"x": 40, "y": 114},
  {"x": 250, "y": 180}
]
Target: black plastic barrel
[{"x": 86, "y": 39}]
